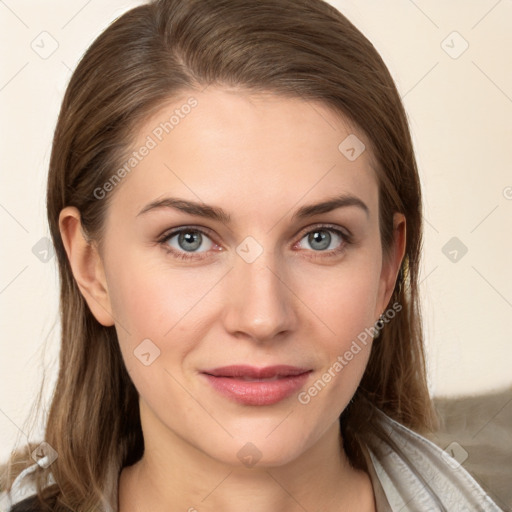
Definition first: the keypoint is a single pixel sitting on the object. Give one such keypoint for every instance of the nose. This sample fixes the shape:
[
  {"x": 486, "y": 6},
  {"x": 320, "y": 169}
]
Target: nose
[{"x": 259, "y": 301}]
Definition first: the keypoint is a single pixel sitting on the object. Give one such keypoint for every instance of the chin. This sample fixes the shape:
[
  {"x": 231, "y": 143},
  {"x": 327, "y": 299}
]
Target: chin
[{"x": 260, "y": 451}]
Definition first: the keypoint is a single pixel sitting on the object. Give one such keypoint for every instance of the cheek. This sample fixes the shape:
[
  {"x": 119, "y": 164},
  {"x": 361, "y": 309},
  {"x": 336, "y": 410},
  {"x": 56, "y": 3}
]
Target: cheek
[
  {"x": 166, "y": 306},
  {"x": 152, "y": 307},
  {"x": 345, "y": 306},
  {"x": 343, "y": 298},
  {"x": 151, "y": 299},
  {"x": 344, "y": 359}
]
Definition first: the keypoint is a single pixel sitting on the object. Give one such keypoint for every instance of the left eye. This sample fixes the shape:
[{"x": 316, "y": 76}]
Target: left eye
[{"x": 322, "y": 239}]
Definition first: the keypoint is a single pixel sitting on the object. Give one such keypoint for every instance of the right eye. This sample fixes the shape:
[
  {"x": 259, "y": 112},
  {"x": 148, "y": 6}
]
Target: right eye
[{"x": 185, "y": 242}]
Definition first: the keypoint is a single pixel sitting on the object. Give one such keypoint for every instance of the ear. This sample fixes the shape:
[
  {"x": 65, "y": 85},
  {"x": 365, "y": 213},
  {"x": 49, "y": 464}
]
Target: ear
[
  {"x": 391, "y": 263},
  {"x": 86, "y": 265}
]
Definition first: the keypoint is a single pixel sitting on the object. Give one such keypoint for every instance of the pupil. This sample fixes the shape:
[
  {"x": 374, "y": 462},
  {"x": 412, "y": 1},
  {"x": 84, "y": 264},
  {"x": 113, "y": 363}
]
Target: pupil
[
  {"x": 190, "y": 237},
  {"x": 321, "y": 237}
]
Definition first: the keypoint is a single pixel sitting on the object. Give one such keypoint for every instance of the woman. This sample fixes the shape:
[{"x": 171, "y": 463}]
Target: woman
[{"x": 213, "y": 356}]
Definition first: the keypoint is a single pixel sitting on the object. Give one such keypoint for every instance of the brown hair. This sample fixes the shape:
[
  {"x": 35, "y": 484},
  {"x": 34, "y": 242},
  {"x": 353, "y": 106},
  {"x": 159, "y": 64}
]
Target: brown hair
[{"x": 294, "y": 48}]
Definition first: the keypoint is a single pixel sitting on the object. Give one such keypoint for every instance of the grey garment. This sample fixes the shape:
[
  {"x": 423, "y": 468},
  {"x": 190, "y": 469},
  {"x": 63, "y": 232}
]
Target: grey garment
[
  {"x": 482, "y": 426},
  {"x": 409, "y": 473}
]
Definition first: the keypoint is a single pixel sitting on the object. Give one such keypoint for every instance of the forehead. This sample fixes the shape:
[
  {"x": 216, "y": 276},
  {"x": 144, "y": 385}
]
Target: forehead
[{"x": 249, "y": 152}]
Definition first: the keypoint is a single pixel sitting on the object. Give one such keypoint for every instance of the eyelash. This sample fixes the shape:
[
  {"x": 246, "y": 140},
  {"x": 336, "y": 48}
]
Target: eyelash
[{"x": 347, "y": 240}]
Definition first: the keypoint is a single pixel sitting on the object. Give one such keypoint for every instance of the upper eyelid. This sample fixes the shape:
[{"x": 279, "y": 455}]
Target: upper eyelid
[
  {"x": 169, "y": 233},
  {"x": 328, "y": 227}
]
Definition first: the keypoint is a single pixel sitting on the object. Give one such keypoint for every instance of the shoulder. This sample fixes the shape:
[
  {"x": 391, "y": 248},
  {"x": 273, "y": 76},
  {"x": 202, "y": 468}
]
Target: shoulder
[
  {"x": 30, "y": 504},
  {"x": 413, "y": 470},
  {"x": 22, "y": 496}
]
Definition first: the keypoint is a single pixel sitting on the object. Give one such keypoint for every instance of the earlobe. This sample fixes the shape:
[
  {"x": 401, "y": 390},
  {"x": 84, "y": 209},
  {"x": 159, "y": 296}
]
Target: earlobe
[{"x": 86, "y": 265}]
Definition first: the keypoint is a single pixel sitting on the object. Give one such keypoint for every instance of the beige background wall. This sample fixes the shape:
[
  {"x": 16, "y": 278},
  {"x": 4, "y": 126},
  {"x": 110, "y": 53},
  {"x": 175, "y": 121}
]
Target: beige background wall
[{"x": 459, "y": 101}]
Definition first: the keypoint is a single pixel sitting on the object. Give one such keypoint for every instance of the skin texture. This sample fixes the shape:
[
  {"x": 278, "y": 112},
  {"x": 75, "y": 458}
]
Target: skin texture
[{"x": 259, "y": 158}]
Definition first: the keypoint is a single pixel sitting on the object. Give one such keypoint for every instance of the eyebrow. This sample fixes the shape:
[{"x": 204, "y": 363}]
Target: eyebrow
[{"x": 218, "y": 214}]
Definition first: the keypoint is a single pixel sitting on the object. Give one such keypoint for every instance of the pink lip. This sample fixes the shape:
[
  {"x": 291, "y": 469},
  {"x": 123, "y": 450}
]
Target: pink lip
[{"x": 257, "y": 386}]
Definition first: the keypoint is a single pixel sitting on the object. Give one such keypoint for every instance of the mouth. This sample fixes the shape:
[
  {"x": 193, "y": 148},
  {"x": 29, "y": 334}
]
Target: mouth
[{"x": 249, "y": 385}]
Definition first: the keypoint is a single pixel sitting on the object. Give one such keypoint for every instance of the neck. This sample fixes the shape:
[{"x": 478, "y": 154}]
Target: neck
[
  {"x": 180, "y": 477},
  {"x": 322, "y": 479}
]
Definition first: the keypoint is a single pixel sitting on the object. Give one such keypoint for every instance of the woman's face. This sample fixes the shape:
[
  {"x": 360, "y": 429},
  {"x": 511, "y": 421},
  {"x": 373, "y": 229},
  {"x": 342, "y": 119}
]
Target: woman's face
[{"x": 279, "y": 284}]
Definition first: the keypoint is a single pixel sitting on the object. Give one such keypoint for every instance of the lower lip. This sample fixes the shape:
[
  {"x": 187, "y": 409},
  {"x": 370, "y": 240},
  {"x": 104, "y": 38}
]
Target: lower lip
[{"x": 262, "y": 392}]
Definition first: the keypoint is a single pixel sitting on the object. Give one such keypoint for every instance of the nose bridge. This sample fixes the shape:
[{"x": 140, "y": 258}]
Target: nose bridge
[{"x": 259, "y": 301}]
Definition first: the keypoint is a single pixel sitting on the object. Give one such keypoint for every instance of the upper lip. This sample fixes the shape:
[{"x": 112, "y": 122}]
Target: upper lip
[{"x": 253, "y": 372}]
